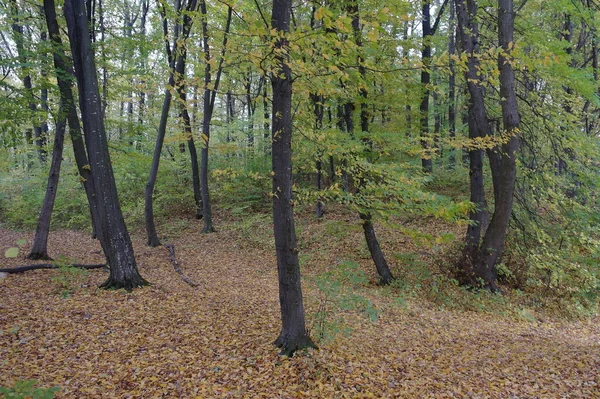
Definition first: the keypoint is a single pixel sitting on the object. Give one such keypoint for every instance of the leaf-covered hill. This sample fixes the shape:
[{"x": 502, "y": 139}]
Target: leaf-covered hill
[{"x": 215, "y": 340}]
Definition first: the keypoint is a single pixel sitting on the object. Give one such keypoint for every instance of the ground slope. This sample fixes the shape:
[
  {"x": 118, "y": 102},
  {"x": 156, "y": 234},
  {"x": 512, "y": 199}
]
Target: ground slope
[{"x": 215, "y": 340}]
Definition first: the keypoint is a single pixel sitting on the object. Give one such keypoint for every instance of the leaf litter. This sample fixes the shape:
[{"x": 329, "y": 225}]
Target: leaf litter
[{"x": 215, "y": 340}]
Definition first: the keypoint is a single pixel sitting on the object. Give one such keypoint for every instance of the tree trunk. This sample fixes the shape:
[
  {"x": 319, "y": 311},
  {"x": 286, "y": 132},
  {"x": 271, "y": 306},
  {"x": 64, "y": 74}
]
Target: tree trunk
[
  {"x": 385, "y": 275},
  {"x": 40, "y": 241},
  {"x": 113, "y": 236},
  {"x": 478, "y": 127},
  {"x": 493, "y": 242},
  {"x": 426, "y": 161},
  {"x": 152, "y": 235},
  {"x": 383, "y": 270},
  {"x": 66, "y": 98},
  {"x": 452, "y": 84},
  {"x": 176, "y": 58},
  {"x": 19, "y": 38},
  {"x": 293, "y": 334},
  {"x": 208, "y": 106}
]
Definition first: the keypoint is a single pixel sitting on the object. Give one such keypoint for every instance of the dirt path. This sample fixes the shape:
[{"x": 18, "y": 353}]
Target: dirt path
[{"x": 214, "y": 341}]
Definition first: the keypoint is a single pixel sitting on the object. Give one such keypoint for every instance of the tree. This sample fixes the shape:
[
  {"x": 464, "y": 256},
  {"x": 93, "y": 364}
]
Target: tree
[
  {"x": 66, "y": 112},
  {"x": 480, "y": 258},
  {"x": 176, "y": 55},
  {"x": 209, "y": 98},
  {"x": 113, "y": 235},
  {"x": 293, "y": 336},
  {"x": 19, "y": 39}
]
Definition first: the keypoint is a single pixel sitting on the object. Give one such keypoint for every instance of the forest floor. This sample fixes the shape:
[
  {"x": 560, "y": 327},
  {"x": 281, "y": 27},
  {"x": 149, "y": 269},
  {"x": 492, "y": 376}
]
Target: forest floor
[{"x": 172, "y": 340}]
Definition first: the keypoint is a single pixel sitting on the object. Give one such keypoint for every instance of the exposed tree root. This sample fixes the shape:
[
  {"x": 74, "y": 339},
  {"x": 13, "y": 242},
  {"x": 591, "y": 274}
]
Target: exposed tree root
[
  {"x": 129, "y": 285},
  {"x": 289, "y": 345},
  {"x": 39, "y": 256},
  {"x": 22, "y": 269},
  {"x": 171, "y": 249}
]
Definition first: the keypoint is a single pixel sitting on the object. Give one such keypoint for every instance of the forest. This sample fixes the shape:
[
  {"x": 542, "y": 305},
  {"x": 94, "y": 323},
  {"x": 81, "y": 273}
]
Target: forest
[{"x": 299, "y": 198}]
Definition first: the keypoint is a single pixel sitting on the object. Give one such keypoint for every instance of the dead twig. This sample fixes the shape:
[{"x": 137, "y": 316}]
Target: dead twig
[{"x": 171, "y": 249}]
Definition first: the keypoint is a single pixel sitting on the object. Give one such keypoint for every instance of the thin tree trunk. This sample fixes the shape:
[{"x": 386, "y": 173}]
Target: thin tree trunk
[
  {"x": 293, "y": 336},
  {"x": 175, "y": 57},
  {"x": 319, "y": 113},
  {"x": 452, "y": 84},
  {"x": 40, "y": 241},
  {"x": 426, "y": 161},
  {"x": 19, "y": 38},
  {"x": 152, "y": 235},
  {"x": 385, "y": 274},
  {"x": 187, "y": 123},
  {"x": 208, "y": 106},
  {"x": 113, "y": 236}
]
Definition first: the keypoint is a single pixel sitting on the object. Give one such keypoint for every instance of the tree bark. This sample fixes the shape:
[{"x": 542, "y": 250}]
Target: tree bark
[
  {"x": 493, "y": 242},
  {"x": 114, "y": 237},
  {"x": 468, "y": 30},
  {"x": 426, "y": 161},
  {"x": 39, "y": 249},
  {"x": 208, "y": 107},
  {"x": 383, "y": 270},
  {"x": 63, "y": 71},
  {"x": 293, "y": 336},
  {"x": 452, "y": 84},
  {"x": 19, "y": 38},
  {"x": 176, "y": 58}
]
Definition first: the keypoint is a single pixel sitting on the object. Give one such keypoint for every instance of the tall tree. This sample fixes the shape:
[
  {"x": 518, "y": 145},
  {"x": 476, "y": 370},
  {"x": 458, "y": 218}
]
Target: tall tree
[
  {"x": 293, "y": 335},
  {"x": 383, "y": 270},
  {"x": 428, "y": 32},
  {"x": 481, "y": 255},
  {"x": 503, "y": 159},
  {"x": 176, "y": 54},
  {"x": 209, "y": 97},
  {"x": 25, "y": 75},
  {"x": 113, "y": 235}
]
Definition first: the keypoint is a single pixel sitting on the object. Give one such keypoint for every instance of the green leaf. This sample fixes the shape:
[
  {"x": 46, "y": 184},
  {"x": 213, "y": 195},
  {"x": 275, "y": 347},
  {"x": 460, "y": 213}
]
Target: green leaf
[
  {"x": 22, "y": 241},
  {"x": 11, "y": 252}
]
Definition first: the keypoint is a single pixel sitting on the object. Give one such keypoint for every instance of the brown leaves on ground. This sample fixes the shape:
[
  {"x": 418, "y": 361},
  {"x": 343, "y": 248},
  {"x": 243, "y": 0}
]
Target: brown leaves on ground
[{"x": 215, "y": 340}]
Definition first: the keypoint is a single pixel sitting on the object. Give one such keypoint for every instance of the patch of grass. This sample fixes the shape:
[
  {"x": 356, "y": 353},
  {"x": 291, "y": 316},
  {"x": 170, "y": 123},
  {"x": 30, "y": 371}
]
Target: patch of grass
[
  {"x": 26, "y": 389},
  {"x": 69, "y": 279}
]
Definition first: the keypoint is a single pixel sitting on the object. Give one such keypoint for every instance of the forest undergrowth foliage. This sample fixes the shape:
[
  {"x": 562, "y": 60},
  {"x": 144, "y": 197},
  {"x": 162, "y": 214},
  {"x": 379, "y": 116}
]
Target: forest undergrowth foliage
[
  {"x": 551, "y": 259},
  {"x": 400, "y": 340}
]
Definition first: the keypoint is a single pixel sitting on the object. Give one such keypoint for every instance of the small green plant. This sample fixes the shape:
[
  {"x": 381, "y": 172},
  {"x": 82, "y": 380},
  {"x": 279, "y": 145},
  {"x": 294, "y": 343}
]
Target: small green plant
[
  {"x": 69, "y": 278},
  {"x": 337, "y": 288},
  {"x": 26, "y": 389}
]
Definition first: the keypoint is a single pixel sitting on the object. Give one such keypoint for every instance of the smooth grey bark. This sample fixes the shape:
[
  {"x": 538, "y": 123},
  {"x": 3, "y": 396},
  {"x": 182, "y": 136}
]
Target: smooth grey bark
[
  {"x": 113, "y": 235},
  {"x": 293, "y": 335}
]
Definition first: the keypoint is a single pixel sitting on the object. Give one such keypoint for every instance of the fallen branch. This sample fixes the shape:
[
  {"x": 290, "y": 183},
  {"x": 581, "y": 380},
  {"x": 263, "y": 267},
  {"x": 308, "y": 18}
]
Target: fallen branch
[
  {"x": 22, "y": 269},
  {"x": 171, "y": 249}
]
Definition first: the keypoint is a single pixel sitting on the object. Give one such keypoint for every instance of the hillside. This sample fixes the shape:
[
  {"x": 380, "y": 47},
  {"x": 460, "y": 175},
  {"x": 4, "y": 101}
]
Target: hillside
[{"x": 215, "y": 340}]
